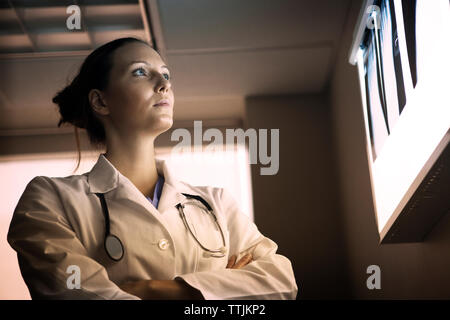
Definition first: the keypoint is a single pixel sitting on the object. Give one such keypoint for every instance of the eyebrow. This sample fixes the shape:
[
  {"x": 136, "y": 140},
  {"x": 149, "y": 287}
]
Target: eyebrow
[{"x": 145, "y": 62}]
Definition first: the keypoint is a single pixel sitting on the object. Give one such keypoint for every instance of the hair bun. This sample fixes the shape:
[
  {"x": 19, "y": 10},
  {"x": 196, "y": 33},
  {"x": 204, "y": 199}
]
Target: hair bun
[{"x": 70, "y": 103}]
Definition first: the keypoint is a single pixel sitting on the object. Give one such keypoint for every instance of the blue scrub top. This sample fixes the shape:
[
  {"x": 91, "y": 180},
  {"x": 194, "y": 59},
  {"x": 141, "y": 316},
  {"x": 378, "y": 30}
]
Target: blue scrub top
[{"x": 157, "y": 192}]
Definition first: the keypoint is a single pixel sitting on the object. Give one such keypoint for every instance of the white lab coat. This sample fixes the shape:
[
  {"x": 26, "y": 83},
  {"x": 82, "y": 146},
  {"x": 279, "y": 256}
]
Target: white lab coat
[{"x": 59, "y": 222}]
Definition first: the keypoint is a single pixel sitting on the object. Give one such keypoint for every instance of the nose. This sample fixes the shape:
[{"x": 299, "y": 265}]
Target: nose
[{"x": 163, "y": 85}]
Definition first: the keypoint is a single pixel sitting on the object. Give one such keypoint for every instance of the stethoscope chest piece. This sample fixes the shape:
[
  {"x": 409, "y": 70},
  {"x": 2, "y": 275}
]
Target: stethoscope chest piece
[{"x": 114, "y": 247}]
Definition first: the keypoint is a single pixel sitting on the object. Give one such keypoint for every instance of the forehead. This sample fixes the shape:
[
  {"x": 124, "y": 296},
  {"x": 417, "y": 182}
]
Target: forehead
[{"x": 130, "y": 52}]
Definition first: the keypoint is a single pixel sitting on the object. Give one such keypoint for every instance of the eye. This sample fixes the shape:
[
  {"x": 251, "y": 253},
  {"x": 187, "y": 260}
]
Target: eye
[
  {"x": 166, "y": 76},
  {"x": 140, "y": 72}
]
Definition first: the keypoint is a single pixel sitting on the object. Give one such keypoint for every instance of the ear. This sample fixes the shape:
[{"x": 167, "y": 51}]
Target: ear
[{"x": 97, "y": 102}]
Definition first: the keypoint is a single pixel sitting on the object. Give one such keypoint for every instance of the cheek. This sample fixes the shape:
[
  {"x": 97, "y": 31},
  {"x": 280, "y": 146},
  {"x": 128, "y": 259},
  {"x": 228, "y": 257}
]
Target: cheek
[{"x": 129, "y": 98}]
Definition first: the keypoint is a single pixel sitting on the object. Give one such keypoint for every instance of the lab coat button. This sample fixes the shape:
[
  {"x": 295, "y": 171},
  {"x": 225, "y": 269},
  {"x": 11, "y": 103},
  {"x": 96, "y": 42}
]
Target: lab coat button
[{"x": 163, "y": 244}]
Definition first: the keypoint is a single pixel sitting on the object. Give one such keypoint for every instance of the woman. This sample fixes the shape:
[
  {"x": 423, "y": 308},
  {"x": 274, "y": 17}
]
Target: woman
[{"x": 147, "y": 247}]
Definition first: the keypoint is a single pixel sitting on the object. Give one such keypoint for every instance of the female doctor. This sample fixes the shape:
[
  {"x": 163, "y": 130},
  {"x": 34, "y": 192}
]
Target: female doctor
[{"x": 129, "y": 229}]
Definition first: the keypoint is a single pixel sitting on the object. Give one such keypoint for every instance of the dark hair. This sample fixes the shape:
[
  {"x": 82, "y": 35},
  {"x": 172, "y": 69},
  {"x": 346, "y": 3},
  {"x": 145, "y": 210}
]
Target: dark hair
[{"x": 73, "y": 101}]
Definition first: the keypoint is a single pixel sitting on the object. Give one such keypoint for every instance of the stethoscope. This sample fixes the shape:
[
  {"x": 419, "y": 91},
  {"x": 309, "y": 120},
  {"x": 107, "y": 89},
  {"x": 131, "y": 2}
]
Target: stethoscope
[
  {"x": 217, "y": 253},
  {"x": 115, "y": 249}
]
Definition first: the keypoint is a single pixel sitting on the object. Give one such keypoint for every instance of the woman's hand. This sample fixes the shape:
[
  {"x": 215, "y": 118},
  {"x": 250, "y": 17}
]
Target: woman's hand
[{"x": 232, "y": 264}]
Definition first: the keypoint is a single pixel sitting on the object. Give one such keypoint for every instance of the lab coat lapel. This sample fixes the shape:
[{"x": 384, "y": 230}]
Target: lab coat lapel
[
  {"x": 104, "y": 177},
  {"x": 170, "y": 195},
  {"x": 171, "y": 192}
]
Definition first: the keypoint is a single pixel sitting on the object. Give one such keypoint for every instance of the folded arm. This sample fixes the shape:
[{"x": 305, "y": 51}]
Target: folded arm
[
  {"x": 268, "y": 276},
  {"x": 174, "y": 289},
  {"x": 46, "y": 246}
]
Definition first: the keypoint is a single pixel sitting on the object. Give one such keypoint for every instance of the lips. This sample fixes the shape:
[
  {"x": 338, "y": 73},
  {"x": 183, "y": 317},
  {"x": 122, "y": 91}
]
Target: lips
[{"x": 162, "y": 103}]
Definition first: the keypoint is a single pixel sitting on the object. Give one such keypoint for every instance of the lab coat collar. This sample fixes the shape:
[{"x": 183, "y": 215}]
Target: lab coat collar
[{"x": 104, "y": 177}]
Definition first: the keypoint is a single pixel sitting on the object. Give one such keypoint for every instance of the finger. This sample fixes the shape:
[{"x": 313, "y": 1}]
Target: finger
[
  {"x": 232, "y": 261},
  {"x": 243, "y": 261}
]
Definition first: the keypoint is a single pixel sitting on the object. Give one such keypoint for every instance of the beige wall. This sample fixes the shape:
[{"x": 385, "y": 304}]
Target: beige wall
[
  {"x": 408, "y": 271},
  {"x": 298, "y": 207}
]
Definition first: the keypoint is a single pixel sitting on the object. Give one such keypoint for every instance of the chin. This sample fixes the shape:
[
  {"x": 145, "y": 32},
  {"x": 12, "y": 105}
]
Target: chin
[{"x": 162, "y": 125}]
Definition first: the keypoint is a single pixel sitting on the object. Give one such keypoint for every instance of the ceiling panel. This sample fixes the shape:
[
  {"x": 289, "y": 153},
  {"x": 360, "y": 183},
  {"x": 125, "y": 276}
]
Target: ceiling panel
[
  {"x": 271, "y": 71},
  {"x": 192, "y": 24},
  {"x": 40, "y": 26}
]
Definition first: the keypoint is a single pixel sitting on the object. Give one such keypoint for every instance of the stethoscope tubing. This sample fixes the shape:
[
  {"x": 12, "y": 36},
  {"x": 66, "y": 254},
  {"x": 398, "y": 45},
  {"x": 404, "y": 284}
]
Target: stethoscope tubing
[
  {"x": 112, "y": 240},
  {"x": 218, "y": 253}
]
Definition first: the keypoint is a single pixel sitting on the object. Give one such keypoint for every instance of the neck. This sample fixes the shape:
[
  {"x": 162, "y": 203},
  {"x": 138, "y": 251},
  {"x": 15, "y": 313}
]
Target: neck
[{"x": 134, "y": 157}]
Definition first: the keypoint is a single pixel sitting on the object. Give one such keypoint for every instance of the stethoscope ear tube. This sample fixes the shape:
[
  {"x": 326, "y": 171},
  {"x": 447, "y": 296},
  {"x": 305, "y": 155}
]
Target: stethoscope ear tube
[{"x": 113, "y": 246}]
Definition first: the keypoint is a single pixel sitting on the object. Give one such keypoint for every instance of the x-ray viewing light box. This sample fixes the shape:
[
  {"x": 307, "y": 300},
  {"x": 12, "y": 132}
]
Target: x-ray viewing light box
[{"x": 401, "y": 50}]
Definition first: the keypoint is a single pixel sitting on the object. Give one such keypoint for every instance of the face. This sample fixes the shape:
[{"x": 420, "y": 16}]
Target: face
[{"x": 138, "y": 81}]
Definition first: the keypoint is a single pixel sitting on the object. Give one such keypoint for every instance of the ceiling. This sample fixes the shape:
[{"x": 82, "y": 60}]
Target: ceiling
[
  {"x": 219, "y": 51},
  {"x": 43, "y": 26}
]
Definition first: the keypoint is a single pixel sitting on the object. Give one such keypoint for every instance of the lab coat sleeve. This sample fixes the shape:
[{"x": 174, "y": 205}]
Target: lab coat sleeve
[
  {"x": 46, "y": 246},
  {"x": 268, "y": 276}
]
